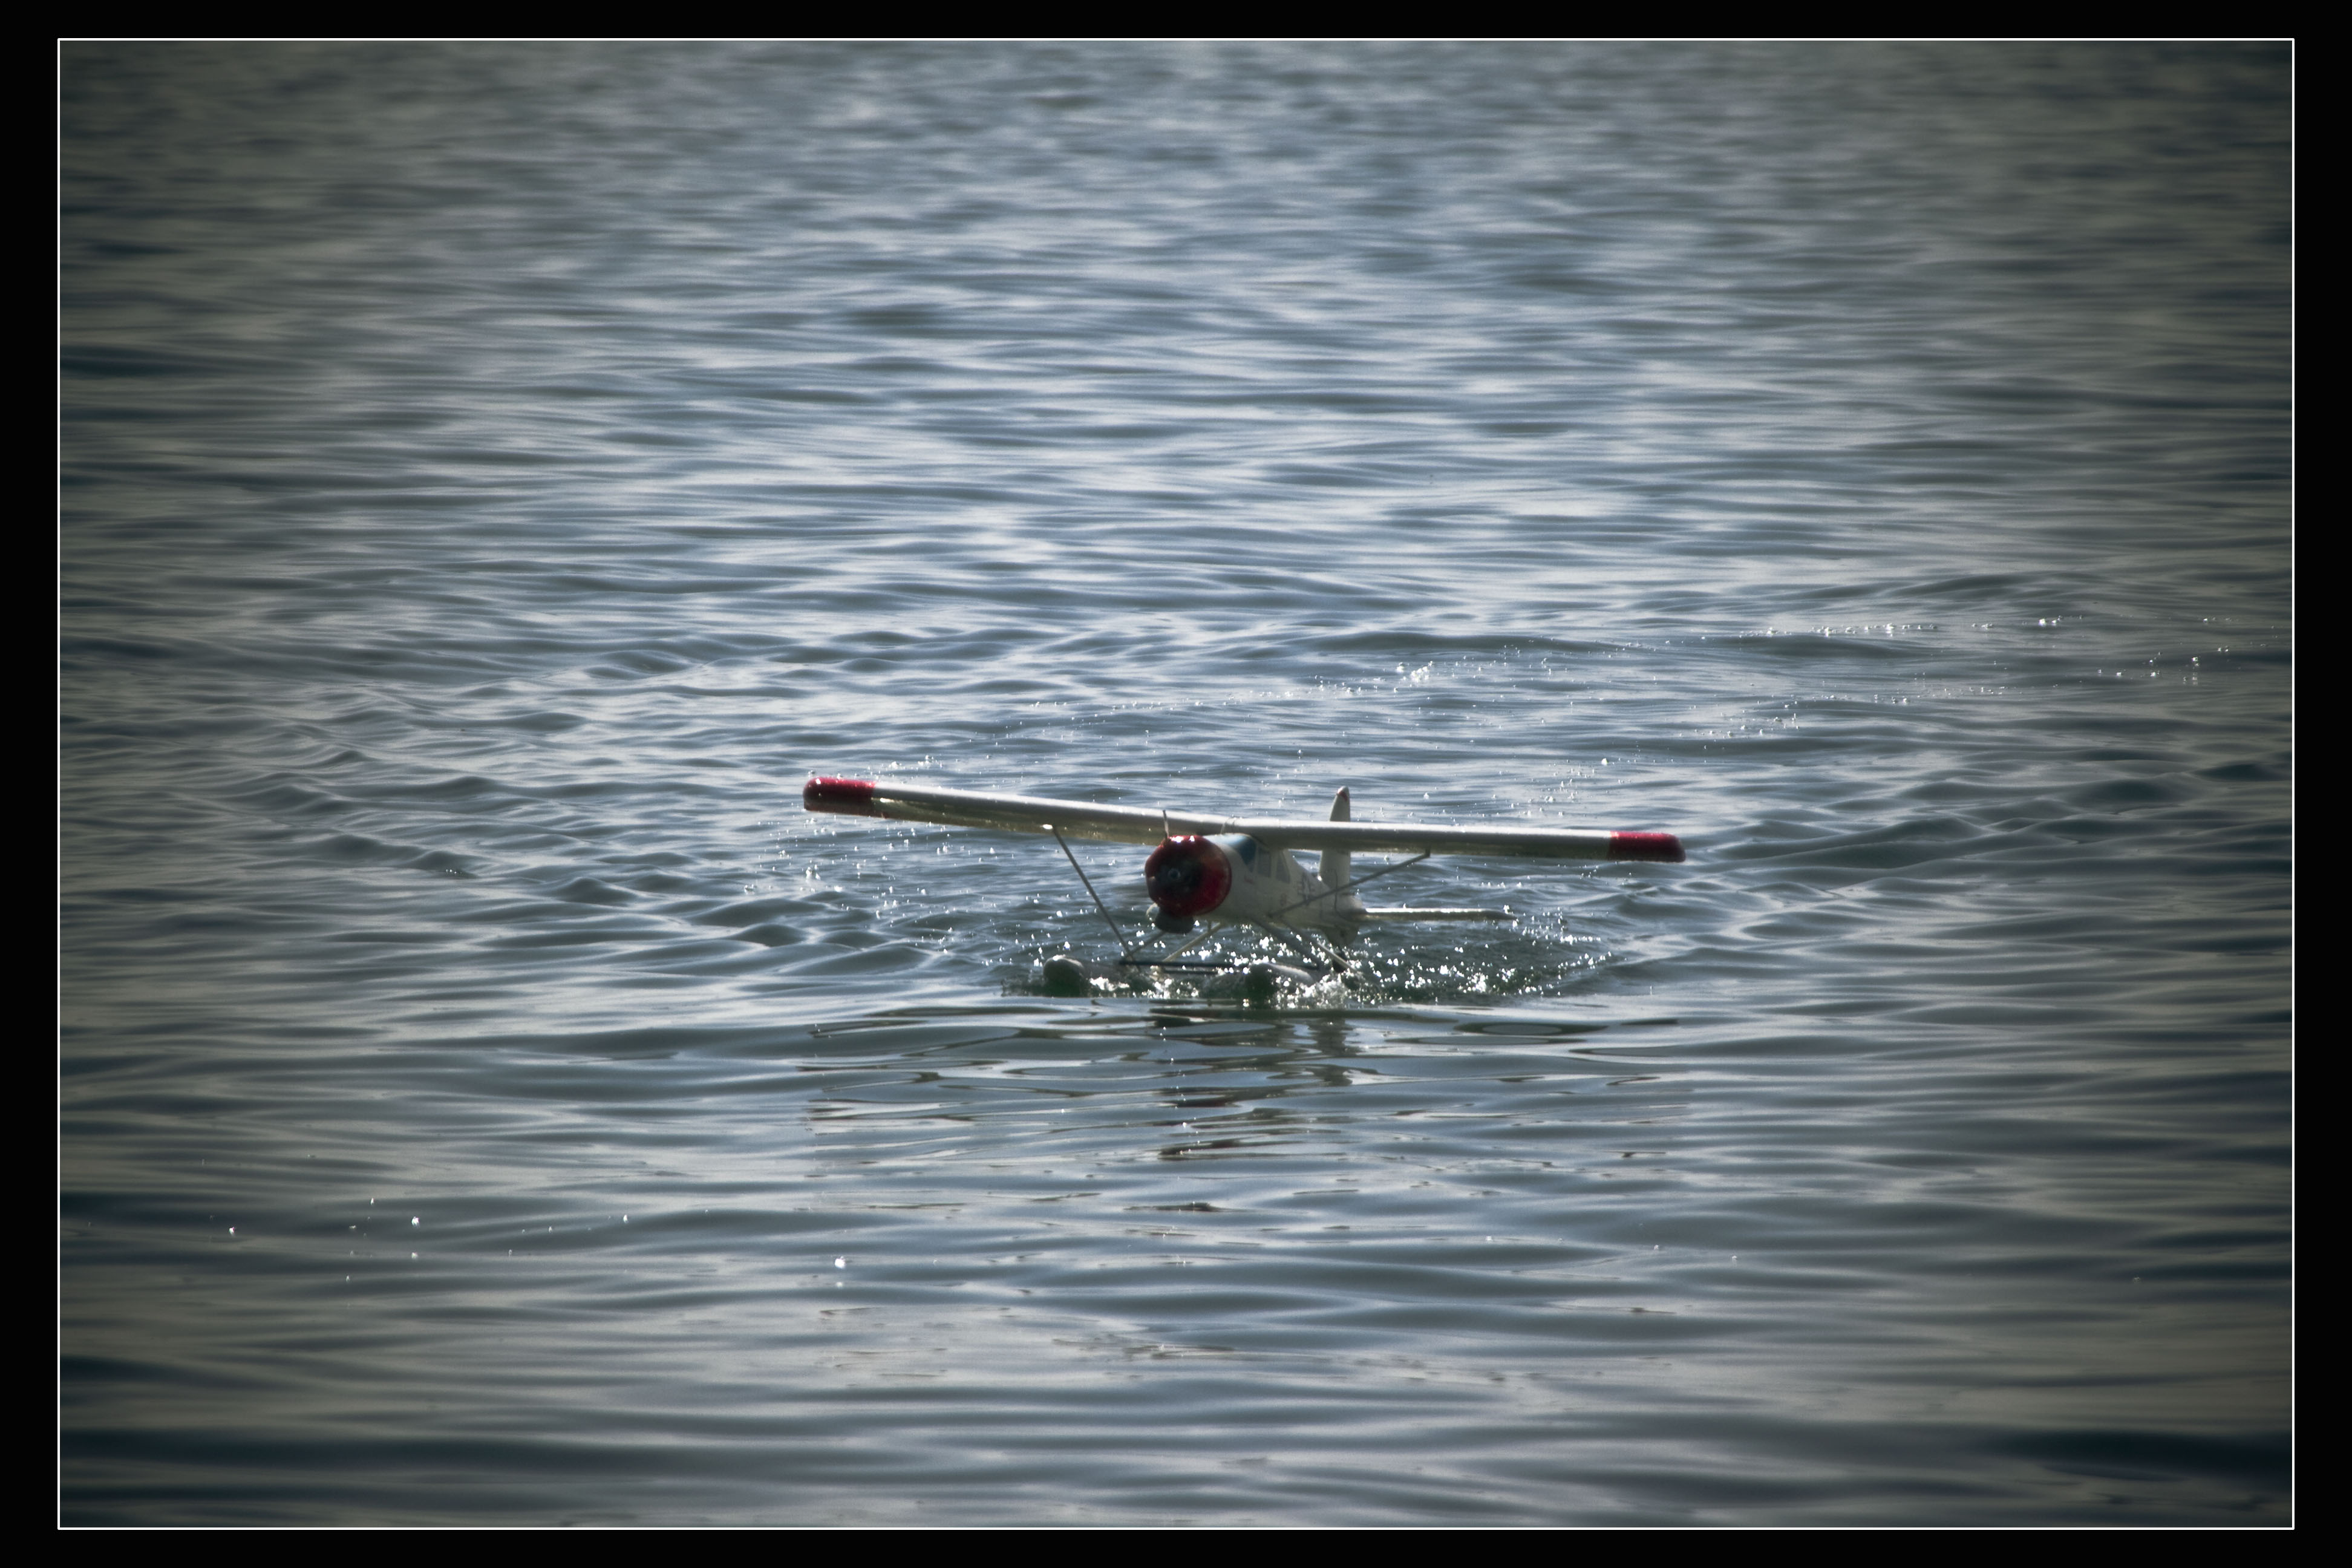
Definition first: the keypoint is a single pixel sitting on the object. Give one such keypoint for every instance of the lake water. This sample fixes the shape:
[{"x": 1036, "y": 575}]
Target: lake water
[{"x": 496, "y": 476}]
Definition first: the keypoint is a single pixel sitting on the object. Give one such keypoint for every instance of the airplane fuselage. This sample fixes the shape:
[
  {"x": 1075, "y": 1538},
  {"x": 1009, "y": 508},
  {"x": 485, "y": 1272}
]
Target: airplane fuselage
[{"x": 1233, "y": 878}]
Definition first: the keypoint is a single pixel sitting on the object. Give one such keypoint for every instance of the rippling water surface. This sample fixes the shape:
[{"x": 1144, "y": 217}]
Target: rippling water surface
[{"x": 495, "y": 477}]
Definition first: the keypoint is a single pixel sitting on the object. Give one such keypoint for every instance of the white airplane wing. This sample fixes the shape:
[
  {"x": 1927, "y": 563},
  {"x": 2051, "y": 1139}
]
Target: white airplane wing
[{"x": 1139, "y": 824}]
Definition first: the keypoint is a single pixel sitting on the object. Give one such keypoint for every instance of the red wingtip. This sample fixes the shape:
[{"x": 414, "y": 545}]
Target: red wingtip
[
  {"x": 850, "y": 797},
  {"x": 1644, "y": 846}
]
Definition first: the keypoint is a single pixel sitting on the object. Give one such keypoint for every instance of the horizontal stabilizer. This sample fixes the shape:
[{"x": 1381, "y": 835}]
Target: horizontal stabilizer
[
  {"x": 1139, "y": 824},
  {"x": 1439, "y": 915}
]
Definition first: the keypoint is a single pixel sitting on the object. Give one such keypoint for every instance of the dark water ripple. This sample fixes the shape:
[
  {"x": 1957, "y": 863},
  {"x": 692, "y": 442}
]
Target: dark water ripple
[{"x": 494, "y": 476}]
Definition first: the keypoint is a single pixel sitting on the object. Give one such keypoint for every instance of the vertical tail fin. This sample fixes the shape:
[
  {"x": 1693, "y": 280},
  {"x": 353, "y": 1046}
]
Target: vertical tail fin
[{"x": 1337, "y": 863}]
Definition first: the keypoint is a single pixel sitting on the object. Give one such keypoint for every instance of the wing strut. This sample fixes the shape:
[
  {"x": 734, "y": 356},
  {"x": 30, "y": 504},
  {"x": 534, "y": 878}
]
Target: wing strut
[{"x": 1125, "y": 954}]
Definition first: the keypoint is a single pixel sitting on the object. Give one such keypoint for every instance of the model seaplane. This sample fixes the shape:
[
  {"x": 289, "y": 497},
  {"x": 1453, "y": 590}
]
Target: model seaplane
[{"x": 1206, "y": 873}]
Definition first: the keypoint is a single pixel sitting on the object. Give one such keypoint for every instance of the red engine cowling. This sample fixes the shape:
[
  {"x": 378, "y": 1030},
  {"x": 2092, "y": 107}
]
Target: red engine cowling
[{"x": 1188, "y": 876}]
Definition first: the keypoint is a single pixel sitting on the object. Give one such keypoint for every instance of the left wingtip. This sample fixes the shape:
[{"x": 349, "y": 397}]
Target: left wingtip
[{"x": 850, "y": 797}]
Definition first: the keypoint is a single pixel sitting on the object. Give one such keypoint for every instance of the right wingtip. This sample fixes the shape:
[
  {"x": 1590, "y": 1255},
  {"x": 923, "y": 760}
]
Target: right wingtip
[{"x": 1661, "y": 847}]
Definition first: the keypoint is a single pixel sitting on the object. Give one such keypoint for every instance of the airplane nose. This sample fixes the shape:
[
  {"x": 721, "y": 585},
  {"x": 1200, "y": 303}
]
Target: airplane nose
[{"x": 1188, "y": 876}]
